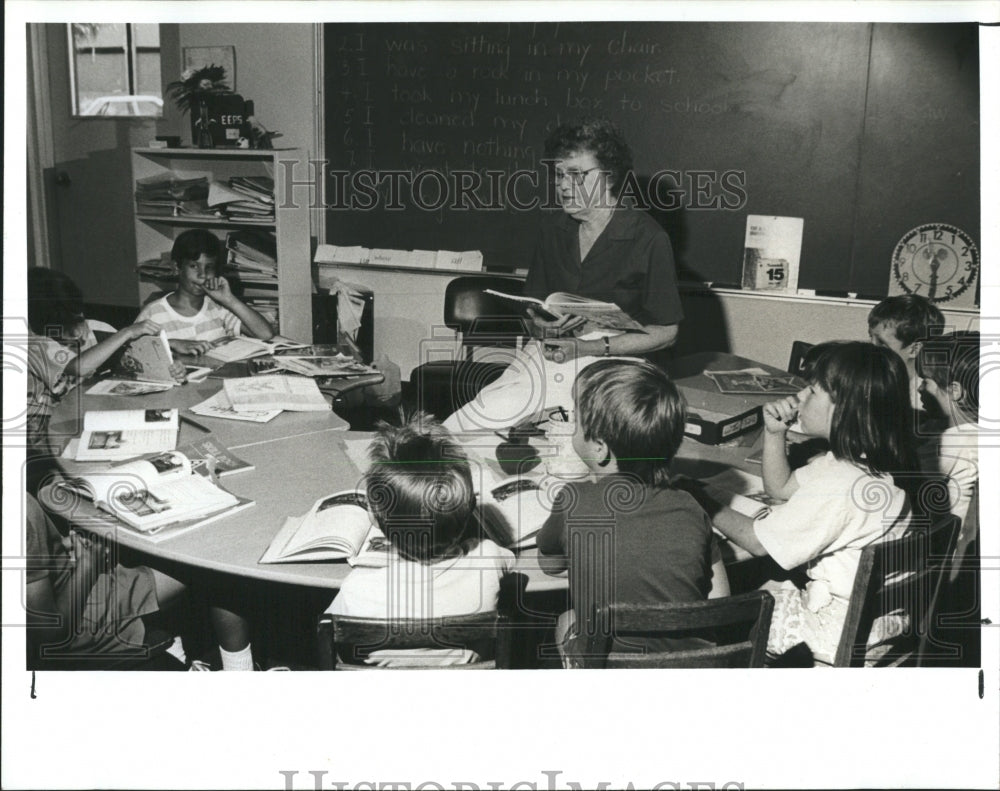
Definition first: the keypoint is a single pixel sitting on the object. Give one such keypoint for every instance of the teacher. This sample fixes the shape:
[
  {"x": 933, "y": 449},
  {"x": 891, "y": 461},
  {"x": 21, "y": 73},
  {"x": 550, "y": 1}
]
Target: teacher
[{"x": 600, "y": 249}]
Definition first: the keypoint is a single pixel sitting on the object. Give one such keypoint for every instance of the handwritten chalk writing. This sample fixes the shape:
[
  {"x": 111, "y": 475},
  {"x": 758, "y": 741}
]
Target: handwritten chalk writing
[
  {"x": 414, "y": 117},
  {"x": 579, "y": 50},
  {"x": 416, "y": 95},
  {"x": 572, "y": 75},
  {"x": 461, "y": 97},
  {"x": 406, "y": 45},
  {"x": 534, "y": 99},
  {"x": 416, "y": 145},
  {"x": 622, "y": 46},
  {"x": 519, "y": 124},
  {"x": 578, "y": 102},
  {"x": 393, "y": 69},
  {"x": 643, "y": 76},
  {"x": 688, "y": 106},
  {"x": 479, "y": 45},
  {"x": 495, "y": 147},
  {"x": 490, "y": 73}
]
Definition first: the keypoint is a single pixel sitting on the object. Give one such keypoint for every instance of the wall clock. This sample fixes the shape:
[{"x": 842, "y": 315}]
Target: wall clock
[{"x": 937, "y": 261}]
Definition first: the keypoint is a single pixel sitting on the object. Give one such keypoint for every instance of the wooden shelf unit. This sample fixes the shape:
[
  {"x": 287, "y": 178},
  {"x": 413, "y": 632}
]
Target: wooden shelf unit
[{"x": 155, "y": 235}]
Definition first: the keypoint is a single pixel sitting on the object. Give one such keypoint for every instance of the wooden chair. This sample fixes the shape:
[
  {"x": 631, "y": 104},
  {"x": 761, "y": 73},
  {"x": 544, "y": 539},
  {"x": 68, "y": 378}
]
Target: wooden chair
[
  {"x": 894, "y": 598},
  {"x": 796, "y": 361},
  {"x": 481, "y": 320},
  {"x": 485, "y": 633},
  {"x": 744, "y": 619}
]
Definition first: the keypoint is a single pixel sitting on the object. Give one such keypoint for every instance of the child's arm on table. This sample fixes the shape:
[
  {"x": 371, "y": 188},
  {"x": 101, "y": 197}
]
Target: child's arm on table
[
  {"x": 777, "y": 474},
  {"x": 738, "y": 528},
  {"x": 256, "y": 325},
  {"x": 89, "y": 360}
]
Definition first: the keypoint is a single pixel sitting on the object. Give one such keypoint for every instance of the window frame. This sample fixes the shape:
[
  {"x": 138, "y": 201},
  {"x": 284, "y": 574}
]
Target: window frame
[{"x": 131, "y": 51}]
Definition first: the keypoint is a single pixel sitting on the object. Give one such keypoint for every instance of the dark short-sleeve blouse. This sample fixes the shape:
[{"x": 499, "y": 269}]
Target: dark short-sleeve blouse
[{"x": 630, "y": 264}]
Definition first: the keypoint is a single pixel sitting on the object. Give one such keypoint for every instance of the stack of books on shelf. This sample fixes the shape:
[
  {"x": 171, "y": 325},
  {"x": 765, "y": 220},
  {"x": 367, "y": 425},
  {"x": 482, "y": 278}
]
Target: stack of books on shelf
[
  {"x": 170, "y": 195},
  {"x": 257, "y": 199},
  {"x": 266, "y": 306},
  {"x": 253, "y": 256}
]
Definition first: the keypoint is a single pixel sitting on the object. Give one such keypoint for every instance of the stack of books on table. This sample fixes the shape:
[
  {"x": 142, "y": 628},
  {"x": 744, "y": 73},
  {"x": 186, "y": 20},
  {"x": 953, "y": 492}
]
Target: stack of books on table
[
  {"x": 253, "y": 256},
  {"x": 170, "y": 195}
]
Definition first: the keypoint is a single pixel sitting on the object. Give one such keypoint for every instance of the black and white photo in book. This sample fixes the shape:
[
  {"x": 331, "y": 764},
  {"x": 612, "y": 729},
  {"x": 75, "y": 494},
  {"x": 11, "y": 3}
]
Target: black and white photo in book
[{"x": 812, "y": 429}]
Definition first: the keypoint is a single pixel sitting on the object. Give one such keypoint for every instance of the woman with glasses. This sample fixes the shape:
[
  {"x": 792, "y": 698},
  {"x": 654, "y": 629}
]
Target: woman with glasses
[{"x": 598, "y": 249}]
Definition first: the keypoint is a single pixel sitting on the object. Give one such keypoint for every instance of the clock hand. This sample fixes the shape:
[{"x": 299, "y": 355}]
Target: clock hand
[{"x": 935, "y": 264}]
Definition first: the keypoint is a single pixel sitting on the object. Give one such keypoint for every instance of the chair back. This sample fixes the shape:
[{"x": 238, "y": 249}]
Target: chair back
[
  {"x": 893, "y": 602},
  {"x": 484, "y": 319},
  {"x": 736, "y": 627},
  {"x": 798, "y": 357},
  {"x": 348, "y": 638}
]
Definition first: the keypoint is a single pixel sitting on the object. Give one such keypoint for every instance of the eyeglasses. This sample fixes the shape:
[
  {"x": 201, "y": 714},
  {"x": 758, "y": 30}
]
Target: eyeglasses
[{"x": 577, "y": 177}]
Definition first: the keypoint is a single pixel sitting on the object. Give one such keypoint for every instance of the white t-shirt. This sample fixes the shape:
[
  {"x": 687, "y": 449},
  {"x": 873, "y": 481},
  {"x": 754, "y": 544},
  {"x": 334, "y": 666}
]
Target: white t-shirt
[
  {"x": 958, "y": 461},
  {"x": 210, "y": 323},
  {"x": 837, "y": 511}
]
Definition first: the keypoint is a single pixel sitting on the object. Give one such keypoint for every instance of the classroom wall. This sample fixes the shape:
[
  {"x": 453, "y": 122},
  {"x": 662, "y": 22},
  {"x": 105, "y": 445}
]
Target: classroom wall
[{"x": 409, "y": 322}]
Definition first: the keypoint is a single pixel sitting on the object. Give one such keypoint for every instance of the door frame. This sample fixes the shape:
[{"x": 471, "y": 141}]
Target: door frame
[{"x": 41, "y": 146}]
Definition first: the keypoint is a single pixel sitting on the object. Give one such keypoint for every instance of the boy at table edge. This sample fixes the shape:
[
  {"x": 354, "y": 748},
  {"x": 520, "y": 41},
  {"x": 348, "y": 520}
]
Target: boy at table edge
[{"x": 191, "y": 322}]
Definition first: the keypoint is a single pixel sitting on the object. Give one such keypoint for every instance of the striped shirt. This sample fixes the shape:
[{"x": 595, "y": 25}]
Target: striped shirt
[{"x": 210, "y": 323}]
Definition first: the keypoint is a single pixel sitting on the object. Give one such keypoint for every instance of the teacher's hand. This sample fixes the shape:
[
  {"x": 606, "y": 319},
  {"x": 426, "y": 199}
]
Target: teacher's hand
[{"x": 564, "y": 325}]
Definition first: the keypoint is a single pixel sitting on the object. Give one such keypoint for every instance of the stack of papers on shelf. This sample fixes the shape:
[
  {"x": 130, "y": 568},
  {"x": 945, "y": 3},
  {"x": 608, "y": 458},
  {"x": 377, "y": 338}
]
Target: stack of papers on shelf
[
  {"x": 220, "y": 406},
  {"x": 291, "y": 393},
  {"x": 253, "y": 201},
  {"x": 171, "y": 195},
  {"x": 253, "y": 254},
  {"x": 150, "y": 495},
  {"x": 111, "y": 435}
]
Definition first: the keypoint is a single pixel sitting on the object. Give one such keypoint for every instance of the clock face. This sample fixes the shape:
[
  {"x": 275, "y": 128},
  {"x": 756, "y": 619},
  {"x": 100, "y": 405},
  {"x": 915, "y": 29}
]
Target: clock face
[{"x": 936, "y": 261}]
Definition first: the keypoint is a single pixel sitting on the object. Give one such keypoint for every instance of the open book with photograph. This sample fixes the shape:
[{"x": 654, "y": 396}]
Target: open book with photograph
[
  {"x": 755, "y": 381},
  {"x": 127, "y": 387},
  {"x": 337, "y": 527},
  {"x": 313, "y": 364},
  {"x": 291, "y": 393},
  {"x": 146, "y": 359},
  {"x": 116, "y": 434},
  {"x": 514, "y": 510},
  {"x": 599, "y": 315},
  {"x": 220, "y": 406},
  {"x": 150, "y": 495}
]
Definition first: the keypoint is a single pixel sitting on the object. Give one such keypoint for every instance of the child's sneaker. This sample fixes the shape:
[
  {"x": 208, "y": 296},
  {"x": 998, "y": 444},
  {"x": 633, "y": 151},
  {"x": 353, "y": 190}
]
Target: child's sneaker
[{"x": 198, "y": 665}]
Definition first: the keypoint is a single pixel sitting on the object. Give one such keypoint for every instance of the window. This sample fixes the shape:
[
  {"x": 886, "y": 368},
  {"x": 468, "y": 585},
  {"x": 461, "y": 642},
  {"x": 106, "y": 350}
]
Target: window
[{"x": 115, "y": 69}]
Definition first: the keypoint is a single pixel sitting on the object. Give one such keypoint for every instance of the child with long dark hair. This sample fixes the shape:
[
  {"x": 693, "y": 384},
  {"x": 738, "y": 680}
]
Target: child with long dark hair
[{"x": 839, "y": 503}]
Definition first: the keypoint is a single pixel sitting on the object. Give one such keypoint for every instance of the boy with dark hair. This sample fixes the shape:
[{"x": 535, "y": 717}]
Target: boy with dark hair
[
  {"x": 191, "y": 322},
  {"x": 901, "y": 324}
]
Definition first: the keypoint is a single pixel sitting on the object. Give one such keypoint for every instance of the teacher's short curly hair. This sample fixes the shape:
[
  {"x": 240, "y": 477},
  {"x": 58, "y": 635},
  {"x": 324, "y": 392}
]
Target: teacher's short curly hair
[{"x": 595, "y": 136}]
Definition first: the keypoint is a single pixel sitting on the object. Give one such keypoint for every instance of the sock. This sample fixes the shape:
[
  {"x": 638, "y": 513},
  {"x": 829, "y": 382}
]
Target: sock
[
  {"x": 176, "y": 650},
  {"x": 237, "y": 660}
]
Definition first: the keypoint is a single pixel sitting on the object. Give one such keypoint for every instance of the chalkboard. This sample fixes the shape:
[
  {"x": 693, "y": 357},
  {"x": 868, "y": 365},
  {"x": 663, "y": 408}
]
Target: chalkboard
[{"x": 863, "y": 130}]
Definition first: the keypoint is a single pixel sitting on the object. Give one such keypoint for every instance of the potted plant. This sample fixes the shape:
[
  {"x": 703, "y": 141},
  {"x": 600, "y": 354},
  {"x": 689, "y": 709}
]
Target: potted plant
[{"x": 192, "y": 94}]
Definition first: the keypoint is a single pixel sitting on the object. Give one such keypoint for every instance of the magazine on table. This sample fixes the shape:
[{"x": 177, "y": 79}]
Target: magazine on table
[
  {"x": 220, "y": 406},
  {"x": 209, "y": 455},
  {"x": 151, "y": 494},
  {"x": 337, "y": 527},
  {"x": 115, "y": 434},
  {"x": 127, "y": 387},
  {"x": 229, "y": 349},
  {"x": 755, "y": 381},
  {"x": 599, "y": 315}
]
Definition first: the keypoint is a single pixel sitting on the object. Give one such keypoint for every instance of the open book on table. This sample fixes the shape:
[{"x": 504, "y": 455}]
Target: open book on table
[
  {"x": 220, "y": 406},
  {"x": 311, "y": 361},
  {"x": 157, "y": 496},
  {"x": 116, "y": 434},
  {"x": 228, "y": 349},
  {"x": 292, "y": 393},
  {"x": 337, "y": 527},
  {"x": 599, "y": 315},
  {"x": 208, "y": 455},
  {"x": 514, "y": 510}
]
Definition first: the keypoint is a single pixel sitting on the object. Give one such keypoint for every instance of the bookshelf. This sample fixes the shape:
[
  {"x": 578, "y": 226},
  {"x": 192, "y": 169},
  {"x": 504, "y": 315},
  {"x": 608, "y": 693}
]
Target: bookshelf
[{"x": 155, "y": 233}]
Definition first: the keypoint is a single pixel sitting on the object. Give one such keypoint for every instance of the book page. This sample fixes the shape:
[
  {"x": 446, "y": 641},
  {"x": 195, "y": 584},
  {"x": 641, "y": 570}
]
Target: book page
[
  {"x": 220, "y": 406},
  {"x": 331, "y": 525},
  {"x": 233, "y": 349},
  {"x": 114, "y": 419},
  {"x": 294, "y": 393}
]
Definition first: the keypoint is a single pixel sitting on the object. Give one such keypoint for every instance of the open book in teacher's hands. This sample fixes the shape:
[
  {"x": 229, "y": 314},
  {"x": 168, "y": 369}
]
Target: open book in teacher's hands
[
  {"x": 158, "y": 496},
  {"x": 337, "y": 527},
  {"x": 599, "y": 315}
]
